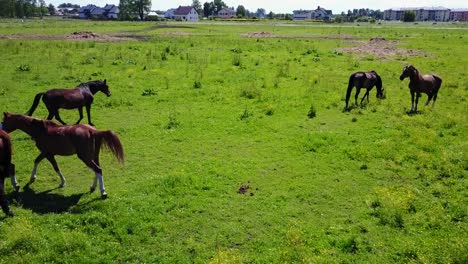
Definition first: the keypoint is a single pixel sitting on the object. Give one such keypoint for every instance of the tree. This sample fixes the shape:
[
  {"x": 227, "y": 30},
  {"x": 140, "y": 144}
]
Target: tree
[
  {"x": 260, "y": 12},
  {"x": 271, "y": 15},
  {"x": 131, "y": 8},
  {"x": 240, "y": 12},
  {"x": 219, "y": 4},
  {"x": 197, "y": 6},
  {"x": 208, "y": 9},
  {"x": 143, "y": 8},
  {"x": 409, "y": 16},
  {"x": 51, "y": 9}
]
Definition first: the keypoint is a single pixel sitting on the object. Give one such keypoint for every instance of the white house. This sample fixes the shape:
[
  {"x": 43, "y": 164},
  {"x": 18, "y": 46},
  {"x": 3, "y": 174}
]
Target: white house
[
  {"x": 170, "y": 13},
  {"x": 227, "y": 13},
  {"x": 320, "y": 14},
  {"x": 186, "y": 13}
]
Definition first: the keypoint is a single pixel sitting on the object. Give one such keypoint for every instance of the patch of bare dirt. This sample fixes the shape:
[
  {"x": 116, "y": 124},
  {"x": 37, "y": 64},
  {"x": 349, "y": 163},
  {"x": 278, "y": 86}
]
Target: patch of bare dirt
[
  {"x": 178, "y": 33},
  {"x": 271, "y": 35},
  {"x": 380, "y": 48},
  {"x": 75, "y": 36}
]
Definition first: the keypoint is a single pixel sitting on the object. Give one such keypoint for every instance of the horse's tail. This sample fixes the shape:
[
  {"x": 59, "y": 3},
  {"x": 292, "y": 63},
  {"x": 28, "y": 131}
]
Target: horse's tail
[
  {"x": 35, "y": 103},
  {"x": 113, "y": 143},
  {"x": 438, "y": 83}
]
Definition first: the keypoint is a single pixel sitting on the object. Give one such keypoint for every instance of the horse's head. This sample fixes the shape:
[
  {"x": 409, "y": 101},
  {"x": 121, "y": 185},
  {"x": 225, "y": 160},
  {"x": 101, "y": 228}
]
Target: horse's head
[
  {"x": 9, "y": 123},
  {"x": 104, "y": 88},
  {"x": 378, "y": 85},
  {"x": 408, "y": 71},
  {"x": 96, "y": 86}
]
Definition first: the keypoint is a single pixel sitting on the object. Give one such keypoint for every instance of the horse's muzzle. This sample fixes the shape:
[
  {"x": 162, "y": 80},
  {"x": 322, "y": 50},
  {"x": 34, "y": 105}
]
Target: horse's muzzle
[
  {"x": 402, "y": 78},
  {"x": 109, "y": 94}
]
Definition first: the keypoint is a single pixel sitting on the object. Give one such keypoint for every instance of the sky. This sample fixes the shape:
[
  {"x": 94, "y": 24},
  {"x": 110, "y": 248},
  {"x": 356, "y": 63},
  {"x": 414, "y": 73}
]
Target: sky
[{"x": 279, "y": 6}]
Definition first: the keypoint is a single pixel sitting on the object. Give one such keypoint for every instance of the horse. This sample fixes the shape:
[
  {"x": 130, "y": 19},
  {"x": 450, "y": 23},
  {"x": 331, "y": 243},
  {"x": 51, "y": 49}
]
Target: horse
[
  {"x": 53, "y": 139},
  {"x": 364, "y": 80},
  {"x": 77, "y": 97},
  {"x": 428, "y": 84},
  {"x": 7, "y": 169}
]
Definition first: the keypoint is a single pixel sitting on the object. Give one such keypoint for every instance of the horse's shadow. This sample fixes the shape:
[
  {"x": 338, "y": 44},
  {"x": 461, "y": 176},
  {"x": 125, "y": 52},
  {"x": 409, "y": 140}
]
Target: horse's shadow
[
  {"x": 413, "y": 113},
  {"x": 44, "y": 202}
]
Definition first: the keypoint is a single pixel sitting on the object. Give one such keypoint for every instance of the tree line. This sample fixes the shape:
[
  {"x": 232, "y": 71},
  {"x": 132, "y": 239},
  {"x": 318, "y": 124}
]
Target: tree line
[{"x": 23, "y": 8}]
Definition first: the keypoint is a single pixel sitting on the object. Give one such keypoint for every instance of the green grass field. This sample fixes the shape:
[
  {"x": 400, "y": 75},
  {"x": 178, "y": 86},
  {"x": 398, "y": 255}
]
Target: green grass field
[{"x": 223, "y": 163}]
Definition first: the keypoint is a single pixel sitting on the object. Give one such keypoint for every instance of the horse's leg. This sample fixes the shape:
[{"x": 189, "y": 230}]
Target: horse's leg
[
  {"x": 88, "y": 112},
  {"x": 36, "y": 163},
  {"x": 57, "y": 116},
  {"x": 358, "y": 90},
  {"x": 364, "y": 97},
  {"x": 97, "y": 148},
  {"x": 80, "y": 111},
  {"x": 50, "y": 116},
  {"x": 52, "y": 161},
  {"x": 14, "y": 182},
  {"x": 416, "y": 103},
  {"x": 98, "y": 177},
  {"x": 412, "y": 101},
  {"x": 348, "y": 95},
  {"x": 429, "y": 98},
  {"x": 3, "y": 202}
]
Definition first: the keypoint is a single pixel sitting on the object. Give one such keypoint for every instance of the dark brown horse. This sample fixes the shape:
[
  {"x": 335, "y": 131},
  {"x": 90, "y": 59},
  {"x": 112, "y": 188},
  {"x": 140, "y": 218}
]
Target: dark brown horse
[
  {"x": 53, "y": 139},
  {"x": 428, "y": 84},
  {"x": 364, "y": 80},
  {"x": 78, "y": 97},
  {"x": 7, "y": 169}
]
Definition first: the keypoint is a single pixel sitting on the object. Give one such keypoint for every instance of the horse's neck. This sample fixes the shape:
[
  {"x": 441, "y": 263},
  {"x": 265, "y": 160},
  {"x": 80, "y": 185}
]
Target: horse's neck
[
  {"x": 89, "y": 88},
  {"x": 25, "y": 126},
  {"x": 416, "y": 76}
]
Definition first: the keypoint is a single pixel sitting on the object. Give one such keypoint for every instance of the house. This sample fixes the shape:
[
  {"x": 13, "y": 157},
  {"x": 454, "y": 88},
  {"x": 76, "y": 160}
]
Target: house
[
  {"x": 170, "y": 13},
  {"x": 85, "y": 11},
  {"x": 186, "y": 13},
  {"x": 106, "y": 12},
  {"x": 422, "y": 13},
  {"x": 459, "y": 14},
  {"x": 112, "y": 11},
  {"x": 227, "y": 13},
  {"x": 318, "y": 14}
]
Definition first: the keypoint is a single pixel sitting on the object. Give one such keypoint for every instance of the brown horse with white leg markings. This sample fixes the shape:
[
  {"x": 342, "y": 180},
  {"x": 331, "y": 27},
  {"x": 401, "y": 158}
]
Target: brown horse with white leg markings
[
  {"x": 428, "y": 84},
  {"x": 53, "y": 139},
  {"x": 7, "y": 169},
  {"x": 364, "y": 80}
]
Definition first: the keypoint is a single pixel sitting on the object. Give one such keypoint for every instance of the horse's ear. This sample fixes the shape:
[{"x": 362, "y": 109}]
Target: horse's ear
[{"x": 105, "y": 80}]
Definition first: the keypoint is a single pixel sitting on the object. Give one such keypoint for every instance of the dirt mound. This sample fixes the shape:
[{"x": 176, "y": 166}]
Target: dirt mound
[
  {"x": 380, "y": 48},
  {"x": 259, "y": 35}
]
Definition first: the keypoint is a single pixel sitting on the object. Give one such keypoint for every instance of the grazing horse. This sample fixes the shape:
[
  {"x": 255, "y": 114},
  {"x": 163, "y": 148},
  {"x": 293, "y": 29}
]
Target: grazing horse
[
  {"x": 428, "y": 84},
  {"x": 364, "y": 80},
  {"x": 80, "y": 96},
  {"x": 7, "y": 169},
  {"x": 53, "y": 139}
]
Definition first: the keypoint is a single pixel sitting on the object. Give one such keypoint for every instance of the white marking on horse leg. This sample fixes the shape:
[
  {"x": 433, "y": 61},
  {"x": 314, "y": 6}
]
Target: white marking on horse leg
[
  {"x": 62, "y": 179},
  {"x": 14, "y": 182},
  {"x": 93, "y": 187},
  {"x": 101, "y": 184},
  {"x": 33, "y": 173}
]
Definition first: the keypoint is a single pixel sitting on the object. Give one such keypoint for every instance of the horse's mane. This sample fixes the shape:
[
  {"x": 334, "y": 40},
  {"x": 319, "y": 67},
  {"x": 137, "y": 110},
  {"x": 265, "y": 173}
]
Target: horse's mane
[
  {"x": 29, "y": 118},
  {"x": 86, "y": 84}
]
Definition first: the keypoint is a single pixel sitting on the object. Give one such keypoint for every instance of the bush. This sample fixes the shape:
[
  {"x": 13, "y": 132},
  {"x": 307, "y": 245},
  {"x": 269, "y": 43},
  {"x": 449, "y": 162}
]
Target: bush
[
  {"x": 312, "y": 112},
  {"x": 409, "y": 16}
]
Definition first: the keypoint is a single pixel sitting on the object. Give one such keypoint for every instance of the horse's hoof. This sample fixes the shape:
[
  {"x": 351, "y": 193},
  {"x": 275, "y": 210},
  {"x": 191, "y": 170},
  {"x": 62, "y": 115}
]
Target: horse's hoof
[
  {"x": 17, "y": 188},
  {"x": 10, "y": 214},
  {"x": 104, "y": 196},
  {"x": 32, "y": 180},
  {"x": 92, "y": 189},
  {"x": 91, "y": 124}
]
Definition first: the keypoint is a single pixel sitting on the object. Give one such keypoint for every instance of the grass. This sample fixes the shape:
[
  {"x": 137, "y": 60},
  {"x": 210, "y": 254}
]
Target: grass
[{"x": 223, "y": 160}]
